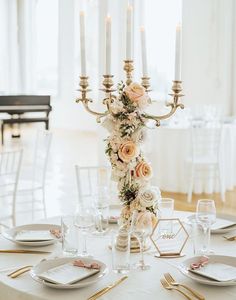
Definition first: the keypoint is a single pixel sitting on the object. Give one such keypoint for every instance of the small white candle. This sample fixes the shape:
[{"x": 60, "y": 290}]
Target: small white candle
[
  {"x": 82, "y": 45},
  {"x": 129, "y": 33},
  {"x": 144, "y": 51},
  {"x": 108, "y": 45},
  {"x": 178, "y": 50}
]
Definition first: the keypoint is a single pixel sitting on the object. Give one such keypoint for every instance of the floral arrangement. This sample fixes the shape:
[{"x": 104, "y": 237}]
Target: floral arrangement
[{"x": 130, "y": 169}]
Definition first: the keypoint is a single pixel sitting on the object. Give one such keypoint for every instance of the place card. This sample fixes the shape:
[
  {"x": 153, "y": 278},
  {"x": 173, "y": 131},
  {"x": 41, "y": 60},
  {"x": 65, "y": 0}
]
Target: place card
[
  {"x": 34, "y": 236},
  {"x": 67, "y": 274},
  {"x": 222, "y": 224},
  {"x": 217, "y": 271}
]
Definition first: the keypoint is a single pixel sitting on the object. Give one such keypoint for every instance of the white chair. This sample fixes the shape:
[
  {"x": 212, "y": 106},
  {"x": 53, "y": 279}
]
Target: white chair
[
  {"x": 35, "y": 180},
  {"x": 205, "y": 156},
  {"x": 90, "y": 179},
  {"x": 10, "y": 165}
]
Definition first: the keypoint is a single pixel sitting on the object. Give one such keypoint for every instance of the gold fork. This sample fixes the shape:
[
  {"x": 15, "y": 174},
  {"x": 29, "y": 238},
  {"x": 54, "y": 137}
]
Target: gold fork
[
  {"x": 169, "y": 287},
  {"x": 171, "y": 281},
  {"x": 19, "y": 271}
]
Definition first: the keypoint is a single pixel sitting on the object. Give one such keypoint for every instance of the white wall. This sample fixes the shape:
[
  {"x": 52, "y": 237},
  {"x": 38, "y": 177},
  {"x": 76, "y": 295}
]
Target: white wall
[{"x": 207, "y": 52}]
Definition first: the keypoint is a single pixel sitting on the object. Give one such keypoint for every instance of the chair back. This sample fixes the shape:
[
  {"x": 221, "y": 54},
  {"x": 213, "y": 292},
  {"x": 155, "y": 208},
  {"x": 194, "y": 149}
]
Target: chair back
[
  {"x": 90, "y": 179},
  {"x": 10, "y": 163},
  {"x": 206, "y": 141},
  {"x": 41, "y": 155}
]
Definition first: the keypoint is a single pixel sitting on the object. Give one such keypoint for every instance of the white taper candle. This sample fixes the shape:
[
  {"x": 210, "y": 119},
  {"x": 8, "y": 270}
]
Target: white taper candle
[
  {"x": 129, "y": 33},
  {"x": 144, "y": 51},
  {"x": 108, "y": 46},
  {"x": 82, "y": 44},
  {"x": 178, "y": 51}
]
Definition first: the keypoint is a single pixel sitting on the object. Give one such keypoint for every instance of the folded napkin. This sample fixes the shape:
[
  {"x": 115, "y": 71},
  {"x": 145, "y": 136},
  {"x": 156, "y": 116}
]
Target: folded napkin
[
  {"x": 213, "y": 270},
  {"x": 222, "y": 224},
  {"x": 70, "y": 273},
  {"x": 33, "y": 236}
]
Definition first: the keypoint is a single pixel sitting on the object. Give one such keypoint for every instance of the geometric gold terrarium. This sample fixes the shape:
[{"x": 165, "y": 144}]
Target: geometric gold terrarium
[{"x": 169, "y": 237}]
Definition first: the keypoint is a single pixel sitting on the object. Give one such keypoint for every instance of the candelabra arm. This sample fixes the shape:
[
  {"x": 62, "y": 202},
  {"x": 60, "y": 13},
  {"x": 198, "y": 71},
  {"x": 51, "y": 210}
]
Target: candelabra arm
[
  {"x": 176, "y": 88},
  {"x": 85, "y": 100}
]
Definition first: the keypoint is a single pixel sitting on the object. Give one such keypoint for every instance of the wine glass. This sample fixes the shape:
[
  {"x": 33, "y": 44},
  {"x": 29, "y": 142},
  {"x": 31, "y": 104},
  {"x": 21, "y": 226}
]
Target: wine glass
[
  {"x": 206, "y": 216},
  {"x": 101, "y": 204},
  {"x": 84, "y": 221},
  {"x": 141, "y": 228}
]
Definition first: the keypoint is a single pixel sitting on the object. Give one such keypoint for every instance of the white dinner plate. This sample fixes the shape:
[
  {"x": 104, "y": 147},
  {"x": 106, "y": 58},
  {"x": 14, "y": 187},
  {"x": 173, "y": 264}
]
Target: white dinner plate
[
  {"x": 228, "y": 260},
  {"x": 46, "y": 265},
  {"x": 220, "y": 230},
  {"x": 11, "y": 233}
]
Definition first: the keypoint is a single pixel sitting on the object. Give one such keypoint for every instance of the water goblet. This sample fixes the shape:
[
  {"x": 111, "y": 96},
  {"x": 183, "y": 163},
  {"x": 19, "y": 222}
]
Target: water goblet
[
  {"x": 84, "y": 221},
  {"x": 101, "y": 204},
  {"x": 206, "y": 216},
  {"x": 141, "y": 228}
]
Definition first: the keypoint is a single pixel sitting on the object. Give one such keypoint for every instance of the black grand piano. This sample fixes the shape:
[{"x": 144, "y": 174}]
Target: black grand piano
[{"x": 17, "y": 105}]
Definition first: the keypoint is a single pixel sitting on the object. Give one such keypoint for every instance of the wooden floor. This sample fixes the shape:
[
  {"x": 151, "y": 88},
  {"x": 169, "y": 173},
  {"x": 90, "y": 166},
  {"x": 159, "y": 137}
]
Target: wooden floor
[{"x": 227, "y": 207}]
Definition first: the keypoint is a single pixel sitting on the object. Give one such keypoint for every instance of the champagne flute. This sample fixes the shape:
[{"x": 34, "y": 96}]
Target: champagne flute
[
  {"x": 206, "y": 216},
  {"x": 84, "y": 221},
  {"x": 141, "y": 228}
]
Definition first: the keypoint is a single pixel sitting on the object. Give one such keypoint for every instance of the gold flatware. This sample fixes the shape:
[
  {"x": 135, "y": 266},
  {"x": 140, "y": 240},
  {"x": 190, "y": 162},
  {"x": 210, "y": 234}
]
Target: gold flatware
[
  {"x": 232, "y": 238},
  {"x": 19, "y": 271},
  {"x": 24, "y": 251},
  {"x": 171, "y": 281},
  {"x": 106, "y": 289},
  {"x": 167, "y": 286}
]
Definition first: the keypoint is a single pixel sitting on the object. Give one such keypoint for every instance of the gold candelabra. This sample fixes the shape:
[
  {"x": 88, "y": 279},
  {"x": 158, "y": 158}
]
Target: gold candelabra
[{"x": 110, "y": 97}]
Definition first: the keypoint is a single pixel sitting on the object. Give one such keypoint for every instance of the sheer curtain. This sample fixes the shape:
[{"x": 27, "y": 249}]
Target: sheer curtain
[{"x": 40, "y": 49}]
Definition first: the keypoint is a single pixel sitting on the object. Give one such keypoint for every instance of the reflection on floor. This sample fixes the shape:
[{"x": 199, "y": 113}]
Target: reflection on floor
[{"x": 73, "y": 147}]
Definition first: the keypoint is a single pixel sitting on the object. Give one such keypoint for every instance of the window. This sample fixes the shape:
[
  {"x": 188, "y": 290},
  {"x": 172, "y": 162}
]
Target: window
[{"x": 46, "y": 52}]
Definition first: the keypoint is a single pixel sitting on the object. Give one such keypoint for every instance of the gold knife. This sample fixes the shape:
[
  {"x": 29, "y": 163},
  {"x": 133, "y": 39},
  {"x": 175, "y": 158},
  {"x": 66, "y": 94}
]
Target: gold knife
[
  {"x": 106, "y": 289},
  {"x": 24, "y": 251}
]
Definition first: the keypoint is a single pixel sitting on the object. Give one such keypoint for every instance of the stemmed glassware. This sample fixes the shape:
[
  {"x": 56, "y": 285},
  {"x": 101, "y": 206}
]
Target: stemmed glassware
[
  {"x": 84, "y": 221},
  {"x": 206, "y": 216},
  {"x": 141, "y": 228},
  {"x": 101, "y": 204}
]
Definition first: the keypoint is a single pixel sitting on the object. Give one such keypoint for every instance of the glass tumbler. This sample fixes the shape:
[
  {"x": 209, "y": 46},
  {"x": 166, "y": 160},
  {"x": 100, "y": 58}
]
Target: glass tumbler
[
  {"x": 121, "y": 251},
  {"x": 69, "y": 235},
  {"x": 165, "y": 211}
]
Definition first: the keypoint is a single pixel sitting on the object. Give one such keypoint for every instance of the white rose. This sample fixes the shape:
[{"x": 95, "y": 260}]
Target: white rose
[
  {"x": 149, "y": 196},
  {"x": 116, "y": 107},
  {"x": 139, "y": 136}
]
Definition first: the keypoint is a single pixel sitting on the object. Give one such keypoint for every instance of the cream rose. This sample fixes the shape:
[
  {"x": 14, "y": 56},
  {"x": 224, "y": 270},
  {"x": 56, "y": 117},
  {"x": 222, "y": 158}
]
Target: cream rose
[
  {"x": 143, "y": 170},
  {"x": 137, "y": 94},
  {"x": 144, "y": 220},
  {"x": 149, "y": 196},
  {"x": 128, "y": 151}
]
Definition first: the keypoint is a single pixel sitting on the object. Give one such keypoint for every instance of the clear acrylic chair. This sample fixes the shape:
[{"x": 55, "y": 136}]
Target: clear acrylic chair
[
  {"x": 10, "y": 165},
  {"x": 90, "y": 179},
  {"x": 35, "y": 180},
  {"x": 205, "y": 156}
]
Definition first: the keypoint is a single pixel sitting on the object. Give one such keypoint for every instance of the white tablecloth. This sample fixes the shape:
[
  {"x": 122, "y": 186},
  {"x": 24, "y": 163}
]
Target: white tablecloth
[
  {"x": 168, "y": 149},
  {"x": 141, "y": 285}
]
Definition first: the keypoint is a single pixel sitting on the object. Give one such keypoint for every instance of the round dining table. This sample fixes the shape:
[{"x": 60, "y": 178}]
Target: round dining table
[{"x": 140, "y": 285}]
